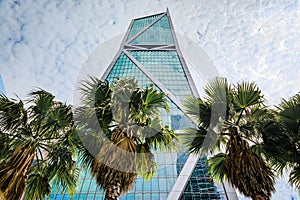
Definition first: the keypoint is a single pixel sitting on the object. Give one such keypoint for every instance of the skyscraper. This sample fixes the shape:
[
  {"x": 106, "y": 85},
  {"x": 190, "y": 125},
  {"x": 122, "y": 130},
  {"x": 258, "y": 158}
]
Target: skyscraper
[
  {"x": 2, "y": 89},
  {"x": 150, "y": 53}
]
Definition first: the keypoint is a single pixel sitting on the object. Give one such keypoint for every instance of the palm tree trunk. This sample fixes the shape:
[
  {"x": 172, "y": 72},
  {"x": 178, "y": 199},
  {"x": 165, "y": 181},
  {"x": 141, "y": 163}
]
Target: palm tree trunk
[
  {"x": 260, "y": 197},
  {"x": 14, "y": 174},
  {"x": 113, "y": 192}
]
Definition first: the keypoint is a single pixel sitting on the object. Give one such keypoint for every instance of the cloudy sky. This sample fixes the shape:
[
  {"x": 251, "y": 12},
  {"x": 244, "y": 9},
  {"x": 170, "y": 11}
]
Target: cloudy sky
[{"x": 46, "y": 43}]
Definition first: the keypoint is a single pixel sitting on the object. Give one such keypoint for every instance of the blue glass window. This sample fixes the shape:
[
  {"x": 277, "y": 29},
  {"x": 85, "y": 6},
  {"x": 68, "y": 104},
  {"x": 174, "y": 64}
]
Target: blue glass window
[
  {"x": 147, "y": 186},
  {"x": 147, "y": 196},
  {"x": 82, "y": 197},
  {"x": 85, "y": 186},
  {"x": 98, "y": 196},
  {"x": 154, "y": 184},
  {"x": 163, "y": 184},
  {"x": 160, "y": 63},
  {"x": 2, "y": 89},
  {"x": 154, "y": 195},
  {"x": 139, "y": 196},
  {"x": 158, "y": 33},
  {"x": 140, "y": 24},
  {"x": 59, "y": 196},
  {"x": 139, "y": 184},
  {"x": 162, "y": 171}
]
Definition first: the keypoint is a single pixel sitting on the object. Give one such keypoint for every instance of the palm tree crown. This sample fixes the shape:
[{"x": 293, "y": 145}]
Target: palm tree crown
[
  {"x": 231, "y": 119},
  {"x": 281, "y": 145},
  {"x": 37, "y": 146},
  {"x": 119, "y": 129}
]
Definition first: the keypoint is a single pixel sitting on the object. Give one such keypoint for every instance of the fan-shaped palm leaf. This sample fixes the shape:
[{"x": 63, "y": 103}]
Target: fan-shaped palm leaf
[
  {"x": 217, "y": 90},
  {"x": 196, "y": 107},
  {"x": 246, "y": 94},
  {"x": 145, "y": 163},
  {"x": 217, "y": 167}
]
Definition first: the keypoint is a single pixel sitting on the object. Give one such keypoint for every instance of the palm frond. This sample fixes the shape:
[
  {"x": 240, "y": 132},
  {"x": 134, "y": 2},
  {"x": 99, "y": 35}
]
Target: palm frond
[
  {"x": 152, "y": 100},
  {"x": 94, "y": 90},
  {"x": 277, "y": 145},
  {"x": 218, "y": 95},
  {"x": 12, "y": 183},
  {"x": 38, "y": 183},
  {"x": 32, "y": 136},
  {"x": 157, "y": 136},
  {"x": 198, "y": 110},
  {"x": 14, "y": 172},
  {"x": 294, "y": 178},
  {"x": 2, "y": 196},
  {"x": 96, "y": 97},
  {"x": 128, "y": 119},
  {"x": 194, "y": 139},
  {"x": 217, "y": 167},
  {"x": 246, "y": 94},
  {"x": 289, "y": 113},
  {"x": 287, "y": 103},
  {"x": 217, "y": 90},
  {"x": 13, "y": 114},
  {"x": 41, "y": 103},
  {"x": 146, "y": 165},
  {"x": 90, "y": 143},
  {"x": 62, "y": 168}
]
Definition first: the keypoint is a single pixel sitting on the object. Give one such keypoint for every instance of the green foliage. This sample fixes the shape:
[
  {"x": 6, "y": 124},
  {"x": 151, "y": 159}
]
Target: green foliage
[
  {"x": 282, "y": 145},
  {"x": 194, "y": 106},
  {"x": 245, "y": 95},
  {"x": 40, "y": 142},
  {"x": 295, "y": 175},
  {"x": 121, "y": 127},
  {"x": 217, "y": 167},
  {"x": 232, "y": 118}
]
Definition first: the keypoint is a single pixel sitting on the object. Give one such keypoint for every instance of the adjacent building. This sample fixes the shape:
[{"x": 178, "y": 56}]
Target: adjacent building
[
  {"x": 151, "y": 54},
  {"x": 2, "y": 89}
]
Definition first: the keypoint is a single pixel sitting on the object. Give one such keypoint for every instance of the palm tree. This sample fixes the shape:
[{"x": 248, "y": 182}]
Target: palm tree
[
  {"x": 281, "y": 145},
  {"x": 37, "y": 144},
  {"x": 120, "y": 127},
  {"x": 231, "y": 119}
]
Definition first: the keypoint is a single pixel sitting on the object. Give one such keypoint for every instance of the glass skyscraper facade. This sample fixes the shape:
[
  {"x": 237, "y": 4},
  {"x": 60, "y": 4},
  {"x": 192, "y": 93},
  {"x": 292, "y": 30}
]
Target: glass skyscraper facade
[
  {"x": 150, "y": 54},
  {"x": 2, "y": 89}
]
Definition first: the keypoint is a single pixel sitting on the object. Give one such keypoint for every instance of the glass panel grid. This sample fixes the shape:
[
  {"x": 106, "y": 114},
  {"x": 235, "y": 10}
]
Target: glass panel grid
[
  {"x": 200, "y": 185},
  {"x": 158, "y": 34},
  {"x": 124, "y": 67},
  {"x": 2, "y": 89},
  {"x": 87, "y": 189},
  {"x": 166, "y": 67},
  {"x": 140, "y": 24}
]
